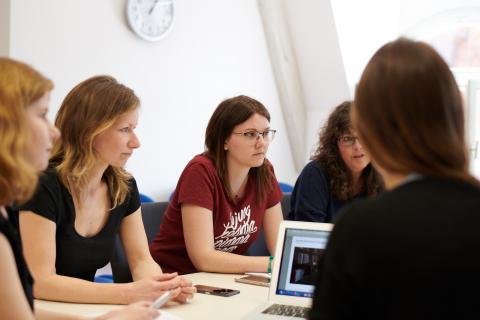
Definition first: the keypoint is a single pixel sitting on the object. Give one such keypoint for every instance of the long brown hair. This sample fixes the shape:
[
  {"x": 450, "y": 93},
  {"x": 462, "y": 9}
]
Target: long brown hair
[
  {"x": 89, "y": 109},
  {"x": 20, "y": 86},
  {"x": 328, "y": 156},
  {"x": 226, "y": 116},
  {"x": 408, "y": 112}
]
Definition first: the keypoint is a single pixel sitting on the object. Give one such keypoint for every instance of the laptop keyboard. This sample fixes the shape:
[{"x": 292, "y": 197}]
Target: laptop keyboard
[{"x": 285, "y": 310}]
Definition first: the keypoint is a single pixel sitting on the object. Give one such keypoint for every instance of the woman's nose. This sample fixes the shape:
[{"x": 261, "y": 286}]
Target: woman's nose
[
  {"x": 54, "y": 132},
  {"x": 134, "y": 142}
]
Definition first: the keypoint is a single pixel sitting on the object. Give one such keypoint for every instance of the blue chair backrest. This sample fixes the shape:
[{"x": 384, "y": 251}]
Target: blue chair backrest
[
  {"x": 152, "y": 214},
  {"x": 285, "y": 187},
  {"x": 259, "y": 247},
  {"x": 144, "y": 198}
]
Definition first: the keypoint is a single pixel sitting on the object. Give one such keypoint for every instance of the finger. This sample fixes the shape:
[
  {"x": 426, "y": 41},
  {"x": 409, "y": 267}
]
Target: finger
[
  {"x": 185, "y": 282},
  {"x": 165, "y": 276},
  {"x": 153, "y": 313},
  {"x": 189, "y": 295},
  {"x": 184, "y": 298},
  {"x": 143, "y": 303},
  {"x": 181, "y": 299},
  {"x": 157, "y": 288},
  {"x": 191, "y": 290},
  {"x": 176, "y": 293},
  {"x": 166, "y": 285}
]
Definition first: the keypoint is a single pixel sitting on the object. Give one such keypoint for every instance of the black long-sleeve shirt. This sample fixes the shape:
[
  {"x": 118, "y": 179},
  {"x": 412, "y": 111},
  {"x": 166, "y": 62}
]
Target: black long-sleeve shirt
[{"x": 411, "y": 253}]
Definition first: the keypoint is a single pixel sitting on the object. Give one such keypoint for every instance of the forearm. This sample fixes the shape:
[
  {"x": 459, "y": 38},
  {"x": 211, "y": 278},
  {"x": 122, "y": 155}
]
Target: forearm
[
  {"x": 224, "y": 262},
  {"x": 69, "y": 289},
  {"x": 145, "y": 269}
]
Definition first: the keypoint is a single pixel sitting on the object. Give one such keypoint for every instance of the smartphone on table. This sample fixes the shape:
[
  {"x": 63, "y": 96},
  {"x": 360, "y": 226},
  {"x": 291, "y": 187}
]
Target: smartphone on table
[
  {"x": 216, "y": 291},
  {"x": 256, "y": 280}
]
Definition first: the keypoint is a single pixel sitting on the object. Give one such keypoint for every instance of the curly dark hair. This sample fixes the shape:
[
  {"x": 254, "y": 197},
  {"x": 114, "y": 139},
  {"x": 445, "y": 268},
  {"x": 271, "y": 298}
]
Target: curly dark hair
[{"x": 328, "y": 156}]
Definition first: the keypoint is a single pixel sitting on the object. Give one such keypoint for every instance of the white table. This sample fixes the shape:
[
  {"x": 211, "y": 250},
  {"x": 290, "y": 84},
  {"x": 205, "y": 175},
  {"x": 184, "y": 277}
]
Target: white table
[{"x": 202, "y": 306}]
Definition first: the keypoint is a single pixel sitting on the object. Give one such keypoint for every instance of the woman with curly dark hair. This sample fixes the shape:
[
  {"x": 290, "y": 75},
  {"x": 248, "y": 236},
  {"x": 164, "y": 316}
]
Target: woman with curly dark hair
[{"x": 340, "y": 171}]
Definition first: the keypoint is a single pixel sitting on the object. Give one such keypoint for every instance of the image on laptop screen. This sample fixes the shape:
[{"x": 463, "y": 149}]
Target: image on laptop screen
[{"x": 302, "y": 250}]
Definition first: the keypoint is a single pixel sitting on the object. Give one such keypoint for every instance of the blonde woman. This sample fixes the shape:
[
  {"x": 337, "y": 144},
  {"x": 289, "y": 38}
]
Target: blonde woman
[
  {"x": 86, "y": 198},
  {"x": 25, "y": 144}
]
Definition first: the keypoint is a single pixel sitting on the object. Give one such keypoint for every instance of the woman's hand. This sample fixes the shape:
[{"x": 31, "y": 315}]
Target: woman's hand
[
  {"x": 186, "y": 291},
  {"x": 151, "y": 289},
  {"x": 136, "y": 311}
]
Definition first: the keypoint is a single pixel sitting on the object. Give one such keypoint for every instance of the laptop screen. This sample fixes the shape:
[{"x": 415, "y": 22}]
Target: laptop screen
[{"x": 302, "y": 250}]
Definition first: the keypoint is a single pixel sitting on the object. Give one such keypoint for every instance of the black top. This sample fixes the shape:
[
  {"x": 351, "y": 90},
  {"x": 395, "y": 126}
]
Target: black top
[
  {"x": 78, "y": 256},
  {"x": 9, "y": 228},
  {"x": 311, "y": 197},
  {"x": 411, "y": 253}
]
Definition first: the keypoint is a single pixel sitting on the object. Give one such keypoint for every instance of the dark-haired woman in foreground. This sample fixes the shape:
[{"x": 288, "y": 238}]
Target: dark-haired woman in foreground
[
  {"x": 224, "y": 197},
  {"x": 412, "y": 252},
  {"x": 340, "y": 172}
]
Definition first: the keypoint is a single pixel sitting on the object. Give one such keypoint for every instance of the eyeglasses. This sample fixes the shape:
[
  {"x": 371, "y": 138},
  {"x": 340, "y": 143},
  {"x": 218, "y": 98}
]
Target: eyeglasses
[
  {"x": 347, "y": 141},
  {"x": 255, "y": 135}
]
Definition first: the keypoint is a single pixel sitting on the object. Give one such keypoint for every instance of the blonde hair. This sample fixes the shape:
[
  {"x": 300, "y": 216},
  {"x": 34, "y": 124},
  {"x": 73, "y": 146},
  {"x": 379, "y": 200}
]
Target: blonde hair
[
  {"x": 20, "y": 86},
  {"x": 89, "y": 109}
]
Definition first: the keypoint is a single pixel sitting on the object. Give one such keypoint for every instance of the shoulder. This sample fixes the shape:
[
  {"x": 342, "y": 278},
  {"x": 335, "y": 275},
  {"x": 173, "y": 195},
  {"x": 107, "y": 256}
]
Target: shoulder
[
  {"x": 315, "y": 168},
  {"x": 201, "y": 163},
  {"x": 132, "y": 183},
  {"x": 201, "y": 159},
  {"x": 426, "y": 197},
  {"x": 313, "y": 172},
  {"x": 436, "y": 190},
  {"x": 3, "y": 225},
  {"x": 50, "y": 178}
]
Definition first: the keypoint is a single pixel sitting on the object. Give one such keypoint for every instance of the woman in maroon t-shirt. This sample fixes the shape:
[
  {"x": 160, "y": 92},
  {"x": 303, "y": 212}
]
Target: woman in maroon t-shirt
[{"x": 223, "y": 197}]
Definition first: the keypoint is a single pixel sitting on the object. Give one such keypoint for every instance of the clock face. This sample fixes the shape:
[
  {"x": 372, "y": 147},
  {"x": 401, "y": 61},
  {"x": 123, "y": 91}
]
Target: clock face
[{"x": 150, "y": 19}]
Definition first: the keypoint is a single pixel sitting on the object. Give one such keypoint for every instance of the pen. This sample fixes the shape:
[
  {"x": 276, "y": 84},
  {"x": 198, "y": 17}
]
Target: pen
[{"x": 162, "y": 299}]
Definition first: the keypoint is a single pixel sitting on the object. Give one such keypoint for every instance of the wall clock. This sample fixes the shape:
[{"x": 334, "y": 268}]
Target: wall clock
[{"x": 150, "y": 19}]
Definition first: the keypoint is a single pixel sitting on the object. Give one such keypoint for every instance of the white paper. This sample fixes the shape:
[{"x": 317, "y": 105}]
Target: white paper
[
  {"x": 167, "y": 316},
  {"x": 259, "y": 274},
  {"x": 163, "y": 315}
]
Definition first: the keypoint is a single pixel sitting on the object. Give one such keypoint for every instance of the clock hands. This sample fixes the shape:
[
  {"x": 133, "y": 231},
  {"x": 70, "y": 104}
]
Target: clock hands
[{"x": 153, "y": 7}]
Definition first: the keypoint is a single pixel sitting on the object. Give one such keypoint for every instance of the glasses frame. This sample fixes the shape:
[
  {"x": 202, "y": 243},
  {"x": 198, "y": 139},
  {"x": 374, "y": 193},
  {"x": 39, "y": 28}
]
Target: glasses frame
[
  {"x": 258, "y": 134},
  {"x": 342, "y": 143}
]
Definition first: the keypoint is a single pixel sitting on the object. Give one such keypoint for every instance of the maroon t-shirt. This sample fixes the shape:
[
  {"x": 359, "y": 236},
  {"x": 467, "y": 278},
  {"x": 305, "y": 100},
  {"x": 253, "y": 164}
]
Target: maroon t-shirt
[{"x": 235, "y": 225}]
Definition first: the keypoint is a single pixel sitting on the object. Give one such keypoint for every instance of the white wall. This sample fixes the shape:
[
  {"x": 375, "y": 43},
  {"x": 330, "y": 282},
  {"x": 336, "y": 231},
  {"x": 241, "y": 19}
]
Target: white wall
[
  {"x": 215, "y": 50},
  {"x": 317, "y": 49},
  {"x": 363, "y": 27},
  {"x": 413, "y": 12},
  {"x": 4, "y": 27}
]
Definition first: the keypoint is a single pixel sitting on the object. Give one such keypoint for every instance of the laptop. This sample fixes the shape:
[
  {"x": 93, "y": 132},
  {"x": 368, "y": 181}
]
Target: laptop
[{"x": 299, "y": 248}]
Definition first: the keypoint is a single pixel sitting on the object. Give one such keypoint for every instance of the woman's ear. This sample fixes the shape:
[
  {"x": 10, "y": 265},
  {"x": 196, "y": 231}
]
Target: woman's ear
[{"x": 225, "y": 145}]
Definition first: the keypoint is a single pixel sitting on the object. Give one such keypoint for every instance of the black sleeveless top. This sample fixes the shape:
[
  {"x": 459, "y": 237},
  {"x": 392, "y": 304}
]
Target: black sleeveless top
[
  {"x": 77, "y": 256},
  {"x": 10, "y": 229}
]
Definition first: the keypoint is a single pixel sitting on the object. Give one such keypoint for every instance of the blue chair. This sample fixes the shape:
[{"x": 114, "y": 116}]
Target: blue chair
[
  {"x": 152, "y": 214},
  {"x": 144, "y": 198},
  {"x": 103, "y": 278},
  {"x": 259, "y": 247},
  {"x": 285, "y": 187}
]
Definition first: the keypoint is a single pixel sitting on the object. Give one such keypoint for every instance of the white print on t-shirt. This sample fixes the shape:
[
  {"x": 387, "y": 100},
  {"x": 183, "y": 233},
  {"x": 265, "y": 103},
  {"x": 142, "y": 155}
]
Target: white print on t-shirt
[{"x": 237, "y": 231}]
